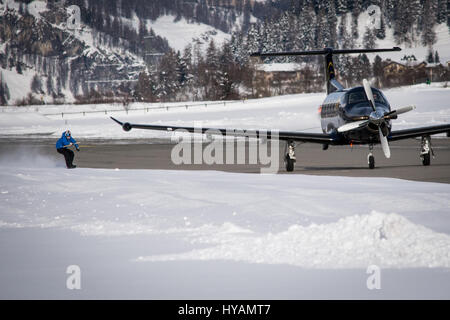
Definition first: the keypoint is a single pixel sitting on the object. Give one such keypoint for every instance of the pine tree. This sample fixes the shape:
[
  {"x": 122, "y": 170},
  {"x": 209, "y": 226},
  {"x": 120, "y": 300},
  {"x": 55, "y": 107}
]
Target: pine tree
[
  {"x": 377, "y": 69},
  {"x": 341, "y": 6},
  {"x": 331, "y": 23},
  {"x": 36, "y": 84},
  {"x": 19, "y": 68},
  {"x": 442, "y": 11},
  {"x": 436, "y": 57},
  {"x": 49, "y": 85},
  {"x": 428, "y": 22},
  {"x": 144, "y": 89},
  {"x": 430, "y": 58},
  {"x": 369, "y": 39},
  {"x": 381, "y": 32},
  {"x": 4, "y": 91}
]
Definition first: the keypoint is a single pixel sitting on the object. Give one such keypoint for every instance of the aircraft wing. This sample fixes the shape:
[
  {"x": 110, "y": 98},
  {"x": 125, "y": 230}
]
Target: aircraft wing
[
  {"x": 418, "y": 132},
  {"x": 251, "y": 133}
]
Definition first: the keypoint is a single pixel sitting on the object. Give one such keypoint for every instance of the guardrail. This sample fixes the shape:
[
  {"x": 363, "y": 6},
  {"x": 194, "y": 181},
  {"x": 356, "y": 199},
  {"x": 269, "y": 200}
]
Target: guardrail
[{"x": 146, "y": 109}]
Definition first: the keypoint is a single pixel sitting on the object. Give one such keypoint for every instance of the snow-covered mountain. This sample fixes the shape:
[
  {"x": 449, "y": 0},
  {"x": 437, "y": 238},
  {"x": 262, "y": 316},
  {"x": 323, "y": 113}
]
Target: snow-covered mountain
[{"x": 43, "y": 59}]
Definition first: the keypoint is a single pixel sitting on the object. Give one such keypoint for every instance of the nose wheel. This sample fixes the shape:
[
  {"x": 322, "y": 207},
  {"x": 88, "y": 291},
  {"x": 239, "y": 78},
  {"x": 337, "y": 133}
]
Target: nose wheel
[
  {"x": 426, "y": 151},
  {"x": 371, "y": 158},
  {"x": 289, "y": 159}
]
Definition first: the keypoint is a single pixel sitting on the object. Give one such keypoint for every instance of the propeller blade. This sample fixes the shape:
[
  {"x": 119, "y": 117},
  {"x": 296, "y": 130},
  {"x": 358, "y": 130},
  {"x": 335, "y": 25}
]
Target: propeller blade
[
  {"x": 384, "y": 144},
  {"x": 404, "y": 109},
  {"x": 352, "y": 125},
  {"x": 369, "y": 93},
  {"x": 394, "y": 113}
]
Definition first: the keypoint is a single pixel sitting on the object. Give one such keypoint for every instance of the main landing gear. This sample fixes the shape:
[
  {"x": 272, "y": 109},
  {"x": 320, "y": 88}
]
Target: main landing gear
[
  {"x": 370, "y": 157},
  {"x": 289, "y": 158},
  {"x": 426, "y": 151}
]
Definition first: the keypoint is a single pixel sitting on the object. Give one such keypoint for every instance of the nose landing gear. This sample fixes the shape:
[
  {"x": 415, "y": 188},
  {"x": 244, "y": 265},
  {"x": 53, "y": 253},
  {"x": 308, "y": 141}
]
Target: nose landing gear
[
  {"x": 370, "y": 157},
  {"x": 426, "y": 151},
  {"x": 290, "y": 159}
]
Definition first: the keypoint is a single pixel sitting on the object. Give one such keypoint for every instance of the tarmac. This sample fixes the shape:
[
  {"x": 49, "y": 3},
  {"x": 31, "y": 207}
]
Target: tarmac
[{"x": 311, "y": 159}]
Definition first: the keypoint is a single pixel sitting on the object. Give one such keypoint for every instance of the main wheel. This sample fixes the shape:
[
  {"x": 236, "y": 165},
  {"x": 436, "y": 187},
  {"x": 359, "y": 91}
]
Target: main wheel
[
  {"x": 289, "y": 165},
  {"x": 371, "y": 162},
  {"x": 426, "y": 159}
]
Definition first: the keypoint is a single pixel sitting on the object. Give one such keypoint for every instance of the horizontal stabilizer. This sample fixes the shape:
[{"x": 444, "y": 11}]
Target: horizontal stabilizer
[{"x": 319, "y": 52}]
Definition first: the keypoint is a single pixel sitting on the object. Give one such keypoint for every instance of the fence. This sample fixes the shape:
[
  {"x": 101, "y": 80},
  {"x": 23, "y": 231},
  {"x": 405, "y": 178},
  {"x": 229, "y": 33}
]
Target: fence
[{"x": 145, "y": 109}]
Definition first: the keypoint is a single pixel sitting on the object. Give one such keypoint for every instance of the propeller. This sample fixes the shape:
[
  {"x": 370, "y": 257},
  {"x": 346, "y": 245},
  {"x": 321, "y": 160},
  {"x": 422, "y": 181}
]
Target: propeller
[
  {"x": 375, "y": 117},
  {"x": 352, "y": 125},
  {"x": 378, "y": 118}
]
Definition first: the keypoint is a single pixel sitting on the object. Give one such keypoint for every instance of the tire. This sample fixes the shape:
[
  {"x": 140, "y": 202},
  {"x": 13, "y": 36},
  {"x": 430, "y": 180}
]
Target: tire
[
  {"x": 289, "y": 165},
  {"x": 426, "y": 159},
  {"x": 371, "y": 162}
]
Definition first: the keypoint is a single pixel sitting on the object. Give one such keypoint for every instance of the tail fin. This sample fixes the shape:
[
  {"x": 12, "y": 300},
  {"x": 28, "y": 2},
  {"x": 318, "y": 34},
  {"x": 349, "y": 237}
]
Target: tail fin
[{"x": 332, "y": 83}]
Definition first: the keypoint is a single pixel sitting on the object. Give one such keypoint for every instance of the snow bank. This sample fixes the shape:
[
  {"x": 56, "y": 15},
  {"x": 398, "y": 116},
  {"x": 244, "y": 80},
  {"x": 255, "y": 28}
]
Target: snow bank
[
  {"x": 386, "y": 240},
  {"x": 296, "y": 220}
]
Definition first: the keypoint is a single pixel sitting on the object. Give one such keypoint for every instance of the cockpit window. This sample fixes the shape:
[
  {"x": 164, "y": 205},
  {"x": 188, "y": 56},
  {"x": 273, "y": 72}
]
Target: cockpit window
[
  {"x": 355, "y": 97},
  {"x": 378, "y": 97},
  {"x": 360, "y": 96}
]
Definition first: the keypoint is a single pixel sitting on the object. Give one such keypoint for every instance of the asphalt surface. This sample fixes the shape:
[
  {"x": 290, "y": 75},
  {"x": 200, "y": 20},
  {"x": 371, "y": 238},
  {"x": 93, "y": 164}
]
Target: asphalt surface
[{"x": 311, "y": 159}]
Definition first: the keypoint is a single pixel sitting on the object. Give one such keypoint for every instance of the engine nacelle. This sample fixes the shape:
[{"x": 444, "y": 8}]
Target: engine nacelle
[{"x": 126, "y": 126}]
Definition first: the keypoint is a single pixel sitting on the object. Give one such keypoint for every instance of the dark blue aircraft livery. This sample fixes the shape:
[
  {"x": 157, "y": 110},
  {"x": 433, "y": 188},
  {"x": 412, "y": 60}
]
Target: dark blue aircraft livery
[{"x": 360, "y": 115}]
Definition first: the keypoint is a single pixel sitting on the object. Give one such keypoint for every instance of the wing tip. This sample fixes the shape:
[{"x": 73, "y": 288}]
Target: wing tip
[{"x": 117, "y": 121}]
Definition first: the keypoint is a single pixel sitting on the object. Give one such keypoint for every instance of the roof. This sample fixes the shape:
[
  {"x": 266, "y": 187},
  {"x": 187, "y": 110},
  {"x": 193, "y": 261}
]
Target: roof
[{"x": 280, "y": 67}]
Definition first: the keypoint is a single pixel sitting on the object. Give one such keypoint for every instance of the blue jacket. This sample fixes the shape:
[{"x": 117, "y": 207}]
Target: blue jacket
[{"x": 63, "y": 142}]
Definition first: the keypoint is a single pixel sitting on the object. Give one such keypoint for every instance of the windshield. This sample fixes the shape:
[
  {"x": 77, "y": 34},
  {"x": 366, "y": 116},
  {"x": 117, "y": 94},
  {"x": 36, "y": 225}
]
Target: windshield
[
  {"x": 360, "y": 96},
  {"x": 358, "y": 105}
]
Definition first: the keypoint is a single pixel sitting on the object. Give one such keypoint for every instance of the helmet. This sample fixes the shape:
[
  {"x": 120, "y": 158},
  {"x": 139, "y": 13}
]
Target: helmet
[{"x": 67, "y": 133}]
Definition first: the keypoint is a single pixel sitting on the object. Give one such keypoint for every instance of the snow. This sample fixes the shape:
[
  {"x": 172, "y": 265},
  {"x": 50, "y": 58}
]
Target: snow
[
  {"x": 18, "y": 84},
  {"x": 280, "y": 67},
  {"x": 386, "y": 240},
  {"x": 290, "y": 112},
  {"x": 36, "y": 7},
  {"x": 442, "y": 44},
  {"x": 181, "y": 33},
  {"x": 148, "y": 222}
]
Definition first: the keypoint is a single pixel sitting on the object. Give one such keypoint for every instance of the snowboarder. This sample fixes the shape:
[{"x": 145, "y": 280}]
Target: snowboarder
[{"x": 62, "y": 145}]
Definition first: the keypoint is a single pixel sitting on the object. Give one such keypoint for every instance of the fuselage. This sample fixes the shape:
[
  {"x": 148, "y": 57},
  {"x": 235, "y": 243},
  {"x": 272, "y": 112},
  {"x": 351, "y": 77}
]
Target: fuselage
[{"x": 349, "y": 105}]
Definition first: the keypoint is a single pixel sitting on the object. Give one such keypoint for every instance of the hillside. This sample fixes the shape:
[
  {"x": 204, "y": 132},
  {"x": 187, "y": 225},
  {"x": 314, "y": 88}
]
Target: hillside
[{"x": 181, "y": 50}]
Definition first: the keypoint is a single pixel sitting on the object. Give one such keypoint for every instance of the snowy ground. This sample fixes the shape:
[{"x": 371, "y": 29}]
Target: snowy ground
[
  {"x": 204, "y": 234},
  {"x": 291, "y": 112},
  {"x": 129, "y": 224}
]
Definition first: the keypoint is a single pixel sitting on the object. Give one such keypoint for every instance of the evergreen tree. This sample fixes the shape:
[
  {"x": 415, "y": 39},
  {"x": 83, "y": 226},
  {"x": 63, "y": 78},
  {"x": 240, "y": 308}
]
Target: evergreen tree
[
  {"x": 341, "y": 6},
  {"x": 430, "y": 58},
  {"x": 428, "y": 22},
  {"x": 49, "y": 85},
  {"x": 19, "y": 68},
  {"x": 144, "y": 88},
  {"x": 442, "y": 11},
  {"x": 378, "y": 69},
  {"x": 381, "y": 32},
  {"x": 436, "y": 57},
  {"x": 4, "y": 91},
  {"x": 369, "y": 39},
  {"x": 36, "y": 84},
  {"x": 331, "y": 23}
]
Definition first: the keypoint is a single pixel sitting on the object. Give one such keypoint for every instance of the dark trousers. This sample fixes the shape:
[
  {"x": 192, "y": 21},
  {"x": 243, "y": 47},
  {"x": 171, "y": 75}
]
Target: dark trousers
[{"x": 68, "y": 155}]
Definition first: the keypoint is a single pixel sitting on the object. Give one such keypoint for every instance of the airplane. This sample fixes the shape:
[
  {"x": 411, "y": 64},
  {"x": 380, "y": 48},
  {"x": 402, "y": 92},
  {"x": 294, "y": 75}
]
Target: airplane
[{"x": 356, "y": 116}]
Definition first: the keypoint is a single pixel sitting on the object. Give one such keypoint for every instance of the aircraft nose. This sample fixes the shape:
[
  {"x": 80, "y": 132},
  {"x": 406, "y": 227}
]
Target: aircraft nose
[{"x": 376, "y": 115}]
